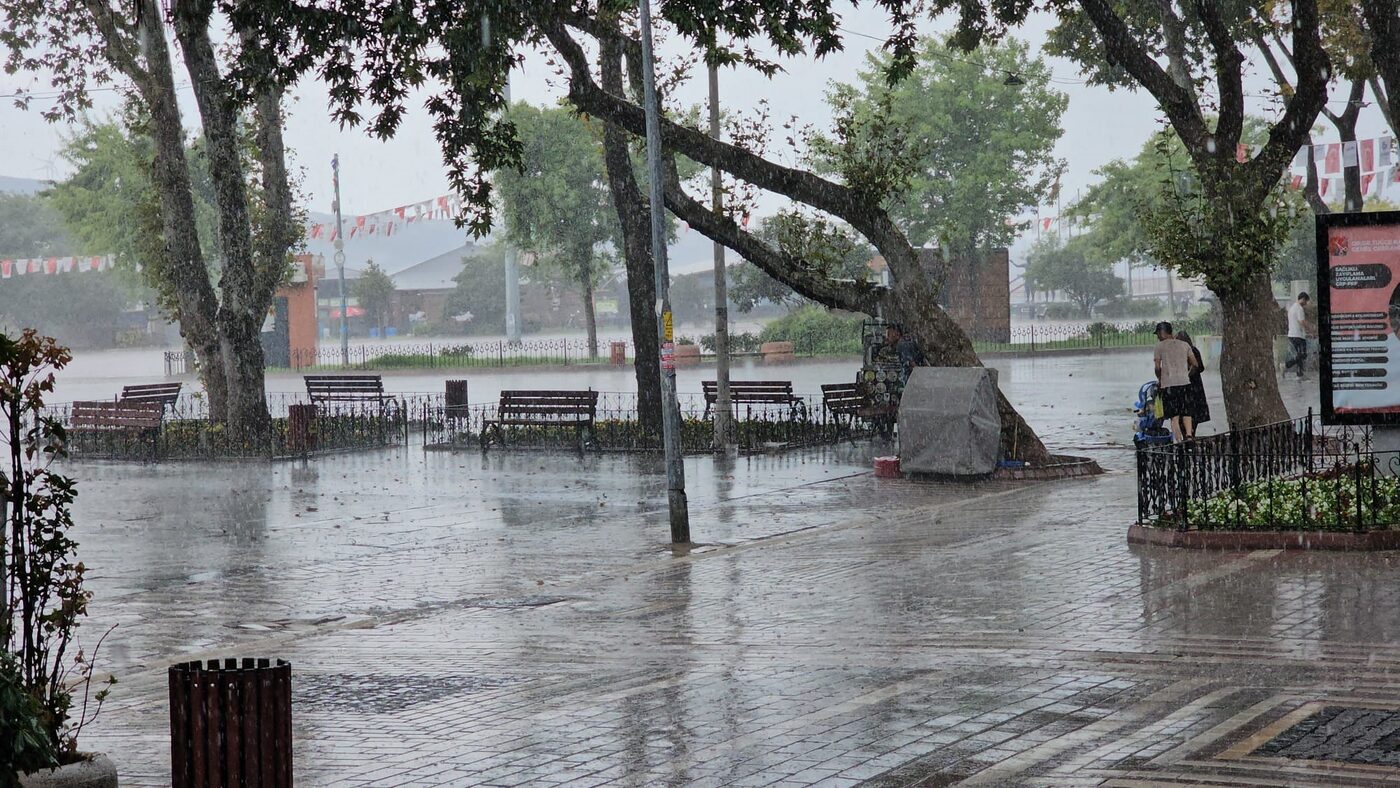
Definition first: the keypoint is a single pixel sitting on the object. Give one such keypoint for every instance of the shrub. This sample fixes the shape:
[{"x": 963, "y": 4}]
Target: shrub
[
  {"x": 42, "y": 599},
  {"x": 813, "y": 329},
  {"x": 1062, "y": 312},
  {"x": 738, "y": 343},
  {"x": 24, "y": 747},
  {"x": 1315, "y": 503},
  {"x": 1135, "y": 307},
  {"x": 684, "y": 341},
  {"x": 1102, "y": 329}
]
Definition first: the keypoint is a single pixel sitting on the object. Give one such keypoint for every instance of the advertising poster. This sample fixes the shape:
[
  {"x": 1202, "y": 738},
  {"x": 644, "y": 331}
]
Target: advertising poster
[{"x": 1359, "y": 317}]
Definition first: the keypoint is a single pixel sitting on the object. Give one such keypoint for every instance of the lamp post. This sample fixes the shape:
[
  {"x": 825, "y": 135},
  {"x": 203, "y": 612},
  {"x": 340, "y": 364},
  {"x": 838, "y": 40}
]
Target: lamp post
[
  {"x": 670, "y": 411},
  {"x": 340, "y": 266},
  {"x": 724, "y": 429},
  {"x": 512, "y": 256}
]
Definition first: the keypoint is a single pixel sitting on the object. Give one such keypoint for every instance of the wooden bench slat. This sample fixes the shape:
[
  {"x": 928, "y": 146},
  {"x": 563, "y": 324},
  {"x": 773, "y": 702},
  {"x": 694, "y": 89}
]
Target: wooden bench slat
[
  {"x": 145, "y": 415},
  {"x": 344, "y": 388}
]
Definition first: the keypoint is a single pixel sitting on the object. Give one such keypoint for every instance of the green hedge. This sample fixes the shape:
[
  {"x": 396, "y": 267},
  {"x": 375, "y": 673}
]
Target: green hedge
[{"x": 814, "y": 330}]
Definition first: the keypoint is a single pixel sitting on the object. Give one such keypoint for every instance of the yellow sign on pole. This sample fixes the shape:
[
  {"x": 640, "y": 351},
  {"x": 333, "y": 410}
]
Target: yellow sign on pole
[{"x": 666, "y": 326}]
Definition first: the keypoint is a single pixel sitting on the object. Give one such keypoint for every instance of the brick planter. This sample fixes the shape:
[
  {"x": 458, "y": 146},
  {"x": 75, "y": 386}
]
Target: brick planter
[
  {"x": 1264, "y": 540},
  {"x": 778, "y": 352},
  {"x": 687, "y": 355}
]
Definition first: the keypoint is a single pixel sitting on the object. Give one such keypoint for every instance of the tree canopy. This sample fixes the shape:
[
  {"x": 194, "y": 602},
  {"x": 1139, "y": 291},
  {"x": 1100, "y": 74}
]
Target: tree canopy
[
  {"x": 1072, "y": 268},
  {"x": 374, "y": 291},
  {"x": 979, "y": 150},
  {"x": 556, "y": 202}
]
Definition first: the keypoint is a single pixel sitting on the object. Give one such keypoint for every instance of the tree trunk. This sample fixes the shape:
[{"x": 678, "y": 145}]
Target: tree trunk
[
  {"x": 196, "y": 306},
  {"x": 1345, "y": 121},
  {"x": 632, "y": 213},
  {"x": 590, "y": 316},
  {"x": 1383, "y": 23},
  {"x": 242, "y": 306},
  {"x": 244, "y": 369},
  {"x": 1251, "y": 319}
]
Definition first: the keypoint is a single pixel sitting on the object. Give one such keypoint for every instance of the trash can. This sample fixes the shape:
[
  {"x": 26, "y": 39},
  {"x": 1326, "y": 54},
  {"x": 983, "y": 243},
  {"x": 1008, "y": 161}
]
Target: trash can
[
  {"x": 301, "y": 428},
  {"x": 617, "y": 353},
  {"x": 456, "y": 400},
  {"x": 231, "y": 723}
]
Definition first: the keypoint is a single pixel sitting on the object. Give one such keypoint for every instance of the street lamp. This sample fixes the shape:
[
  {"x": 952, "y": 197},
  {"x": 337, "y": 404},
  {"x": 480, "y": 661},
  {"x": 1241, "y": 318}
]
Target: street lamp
[{"x": 340, "y": 266}]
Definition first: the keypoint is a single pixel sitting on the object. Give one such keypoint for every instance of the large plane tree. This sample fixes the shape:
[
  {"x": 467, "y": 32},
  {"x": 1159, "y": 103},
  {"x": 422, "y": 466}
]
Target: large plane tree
[
  {"x": 220, "y": 308},
  {"x": 377, "y": 52}
]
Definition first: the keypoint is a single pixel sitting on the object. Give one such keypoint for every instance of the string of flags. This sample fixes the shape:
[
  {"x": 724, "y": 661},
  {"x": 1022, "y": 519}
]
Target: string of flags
[
  {"x": 1377, "y": 160},
  {"x": 389, "y": 222},
  {"x": 36, "y": 266}
]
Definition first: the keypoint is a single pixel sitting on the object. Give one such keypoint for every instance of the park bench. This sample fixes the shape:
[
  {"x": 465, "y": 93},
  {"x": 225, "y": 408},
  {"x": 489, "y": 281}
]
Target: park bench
[
  {"x": 843, "y": 402},
  {"x": 575, "y": 409},
  {"x": 138, "y": 420},
  {"x": 165, "y": 394},
  {"x": 757, "y": 392},
  {"x": 321, "y": 389}
]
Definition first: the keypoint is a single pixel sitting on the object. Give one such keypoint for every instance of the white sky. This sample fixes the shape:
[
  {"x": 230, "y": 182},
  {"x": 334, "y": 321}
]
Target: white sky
[{"x": 1099, "y": 125}]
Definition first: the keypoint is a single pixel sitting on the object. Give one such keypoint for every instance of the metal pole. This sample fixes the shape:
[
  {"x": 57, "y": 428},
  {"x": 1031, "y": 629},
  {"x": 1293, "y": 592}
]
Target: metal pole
[
  {"x": 724, "y": 430},
  {"x": 512, "y": 266},
  {"x": 512, "y": 276},
  {"x": 670, "y": 410},
  {"x": 340, "y": 265}
]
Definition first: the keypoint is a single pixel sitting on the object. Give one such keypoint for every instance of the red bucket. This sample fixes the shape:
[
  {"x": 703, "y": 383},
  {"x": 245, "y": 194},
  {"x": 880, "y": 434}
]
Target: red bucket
[{"x": 887, "y": 468}]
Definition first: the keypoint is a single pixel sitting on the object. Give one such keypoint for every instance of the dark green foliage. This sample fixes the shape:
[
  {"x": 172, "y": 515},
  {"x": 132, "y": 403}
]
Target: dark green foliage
[
  {"x": 24, "y": 747},
  {"x": 42, "y": 599},
  {"x": 814, "y": 330},
  {"x": 1069, "y": 267}
]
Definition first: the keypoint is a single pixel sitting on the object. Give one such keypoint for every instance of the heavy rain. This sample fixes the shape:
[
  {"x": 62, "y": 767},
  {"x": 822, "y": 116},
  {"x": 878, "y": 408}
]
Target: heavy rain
[{"x": 699, "y": 393}]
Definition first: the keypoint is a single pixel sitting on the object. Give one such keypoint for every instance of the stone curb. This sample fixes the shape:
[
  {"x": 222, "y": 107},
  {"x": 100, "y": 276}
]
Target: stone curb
[
  {"x": 1264, "y": 540},
  {"x": 1061, "y": 466}
]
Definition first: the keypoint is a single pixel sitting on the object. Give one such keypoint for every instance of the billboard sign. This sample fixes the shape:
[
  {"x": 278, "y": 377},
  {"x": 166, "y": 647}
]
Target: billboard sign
[{"x": 1359, "y": 317}]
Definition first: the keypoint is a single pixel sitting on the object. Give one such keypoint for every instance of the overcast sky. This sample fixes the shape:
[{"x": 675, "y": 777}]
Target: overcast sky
[{"x": 1099, "y": 125}]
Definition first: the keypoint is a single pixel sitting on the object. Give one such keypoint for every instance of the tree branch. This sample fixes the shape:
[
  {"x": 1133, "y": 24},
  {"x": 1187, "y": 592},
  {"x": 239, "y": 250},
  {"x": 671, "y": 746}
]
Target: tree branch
[
  {"x": 1313, "y": 70},
  {"x": 1229, "y": 77},
  {"x": 850, "y": 296},
  {"x": 118, "y": 38},
  {"x": 1125, "y": 50}
]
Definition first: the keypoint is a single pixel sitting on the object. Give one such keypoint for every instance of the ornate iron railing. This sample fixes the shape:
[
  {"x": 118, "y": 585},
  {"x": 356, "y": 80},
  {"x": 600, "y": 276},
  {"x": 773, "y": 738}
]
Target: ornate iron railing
[
  {"x": 1289, "y": 475},
  {"x": 297, "y": 428},
  {"x": 616, "y": 427}
]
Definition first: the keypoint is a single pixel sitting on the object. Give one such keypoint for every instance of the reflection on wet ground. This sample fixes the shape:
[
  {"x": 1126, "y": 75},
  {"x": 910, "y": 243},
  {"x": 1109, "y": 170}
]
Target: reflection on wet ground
[{"x": 510, "y": 619}]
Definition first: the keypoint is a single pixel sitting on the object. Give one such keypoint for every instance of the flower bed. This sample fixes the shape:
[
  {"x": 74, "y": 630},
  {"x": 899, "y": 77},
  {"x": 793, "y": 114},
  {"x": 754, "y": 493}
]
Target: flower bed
[{"x": 1346, "y": 499}]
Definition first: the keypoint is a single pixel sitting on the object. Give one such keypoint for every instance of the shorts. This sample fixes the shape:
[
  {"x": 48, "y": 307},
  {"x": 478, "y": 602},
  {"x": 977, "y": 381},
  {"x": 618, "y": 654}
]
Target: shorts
[{"x": 1176, "y": 401}]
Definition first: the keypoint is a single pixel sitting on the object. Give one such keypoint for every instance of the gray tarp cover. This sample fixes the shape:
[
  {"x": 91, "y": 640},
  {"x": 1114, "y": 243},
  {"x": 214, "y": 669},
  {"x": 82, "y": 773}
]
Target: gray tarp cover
[{"x": 948, "y": 421}]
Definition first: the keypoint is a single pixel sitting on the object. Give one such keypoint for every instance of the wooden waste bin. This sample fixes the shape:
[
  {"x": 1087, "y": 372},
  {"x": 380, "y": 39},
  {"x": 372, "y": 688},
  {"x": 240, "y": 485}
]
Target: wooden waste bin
[{"x": 231, "y": 723}]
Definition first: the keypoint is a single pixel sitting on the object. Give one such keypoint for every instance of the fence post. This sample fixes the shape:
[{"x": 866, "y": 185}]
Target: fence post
[
  {"x": 1032, "y": 337},
  {"x": 1308, "y": 440},
  {"x": 1179, "y": 457},
  {"x": 565, "y": 343}
]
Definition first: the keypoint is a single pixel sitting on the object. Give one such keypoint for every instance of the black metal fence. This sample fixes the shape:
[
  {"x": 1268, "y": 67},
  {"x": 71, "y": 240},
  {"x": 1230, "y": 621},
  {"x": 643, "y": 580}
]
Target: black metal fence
[
  {"x": 1292, "y": 475},
  {"x": 297, "y": 428},
  {"x": 616, "y": 427}
]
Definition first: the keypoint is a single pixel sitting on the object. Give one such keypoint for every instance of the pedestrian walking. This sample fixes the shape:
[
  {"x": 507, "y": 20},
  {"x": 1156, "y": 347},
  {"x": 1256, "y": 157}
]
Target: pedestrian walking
[
  {"x": 1298, "y": 335},
  {"x": 1198, "y": 407},
  {"x": 1173, "y": 361}
]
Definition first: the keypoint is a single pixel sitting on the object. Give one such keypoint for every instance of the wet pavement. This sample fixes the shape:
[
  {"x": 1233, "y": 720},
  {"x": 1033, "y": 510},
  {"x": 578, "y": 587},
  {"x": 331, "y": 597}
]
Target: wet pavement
[{"x": 518, "y": 619}]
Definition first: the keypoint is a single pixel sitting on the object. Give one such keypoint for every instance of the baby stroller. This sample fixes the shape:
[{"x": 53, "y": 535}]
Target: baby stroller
[{"x": 1148, "y": 428}]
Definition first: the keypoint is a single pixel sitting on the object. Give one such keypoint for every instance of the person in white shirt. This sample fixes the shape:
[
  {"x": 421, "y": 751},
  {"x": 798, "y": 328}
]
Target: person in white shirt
[{"x": 1297, "y": 334}]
